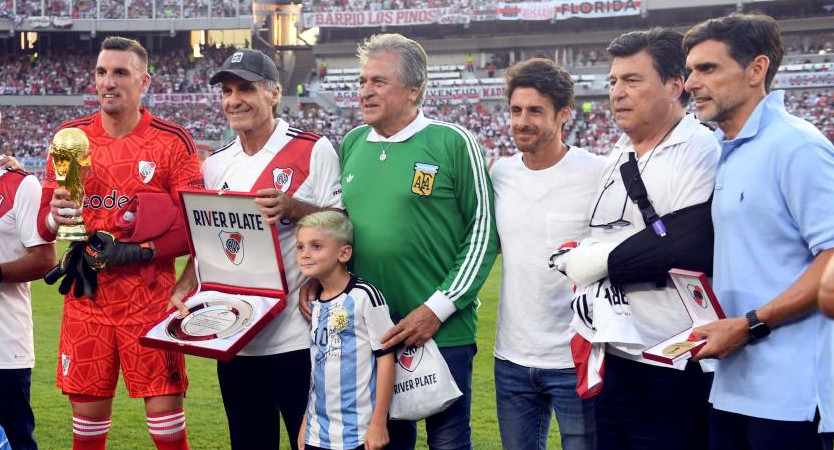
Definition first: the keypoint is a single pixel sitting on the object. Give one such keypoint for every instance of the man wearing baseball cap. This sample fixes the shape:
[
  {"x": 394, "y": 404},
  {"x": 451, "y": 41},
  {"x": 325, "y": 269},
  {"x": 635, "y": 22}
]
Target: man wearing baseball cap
[{"x": 294, "y": 173}]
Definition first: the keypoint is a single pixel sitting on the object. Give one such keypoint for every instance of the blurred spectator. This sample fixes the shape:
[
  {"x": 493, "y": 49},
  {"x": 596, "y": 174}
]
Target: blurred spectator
[
  {"x": 84, "y": 9},
  {"x": 29, "y": 8}
]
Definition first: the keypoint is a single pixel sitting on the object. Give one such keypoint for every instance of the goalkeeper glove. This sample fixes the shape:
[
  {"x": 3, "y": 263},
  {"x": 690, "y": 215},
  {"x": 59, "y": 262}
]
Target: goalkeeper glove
[
  {"x": 77, "y": 274},
  {"x": 104, "y": 251}
]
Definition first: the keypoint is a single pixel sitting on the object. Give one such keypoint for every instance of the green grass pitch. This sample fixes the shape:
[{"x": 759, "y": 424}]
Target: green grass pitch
[{"x": 204, "y": 410}]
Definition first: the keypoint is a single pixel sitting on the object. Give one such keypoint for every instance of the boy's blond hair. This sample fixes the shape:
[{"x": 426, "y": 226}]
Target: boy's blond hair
[{"x": 334, "y": 223}]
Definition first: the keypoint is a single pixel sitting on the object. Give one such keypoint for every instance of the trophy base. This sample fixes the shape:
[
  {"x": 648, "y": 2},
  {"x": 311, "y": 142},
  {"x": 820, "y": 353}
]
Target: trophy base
[{"x": 72, "y": 233}]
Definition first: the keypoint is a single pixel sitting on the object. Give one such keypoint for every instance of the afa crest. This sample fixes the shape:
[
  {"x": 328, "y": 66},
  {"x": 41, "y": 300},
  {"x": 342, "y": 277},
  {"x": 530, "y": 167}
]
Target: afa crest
[
  {"x": 232, "y": 243},
  {"x": 339, "y": 320},
  {"x": 282, "y": 178},
  {"x": 146, "y": 171},
  {"x": 423, "y": 181}
]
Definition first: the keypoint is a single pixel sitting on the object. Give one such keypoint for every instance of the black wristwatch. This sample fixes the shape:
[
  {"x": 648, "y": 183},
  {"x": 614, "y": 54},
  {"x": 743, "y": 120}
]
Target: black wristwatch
[{"x": 758, "y": 329}]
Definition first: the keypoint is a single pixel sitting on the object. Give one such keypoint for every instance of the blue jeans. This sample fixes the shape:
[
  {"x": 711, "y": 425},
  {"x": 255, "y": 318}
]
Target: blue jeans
[
  {"x": 525, "y": 398},
  {"x": 450, "y": 429}
]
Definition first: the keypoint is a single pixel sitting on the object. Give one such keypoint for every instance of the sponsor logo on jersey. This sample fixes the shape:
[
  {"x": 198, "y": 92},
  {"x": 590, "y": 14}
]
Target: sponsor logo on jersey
[
  {"x": 232, "y": 243},
  {"x": 237, "y": 57},
  {"x": 146, "y": 170},
  {"x": 65, "y": 363},
  {"x": 423, "y": 181},
  {"x": 349, "y": 178},
  {"x": 225, "y": 187},
  {"x": 697, "y": 295},
  {"x": 282, "y": 178},
  {"x": 410, "y": 358},
  {"x": 112, "y": 200}
]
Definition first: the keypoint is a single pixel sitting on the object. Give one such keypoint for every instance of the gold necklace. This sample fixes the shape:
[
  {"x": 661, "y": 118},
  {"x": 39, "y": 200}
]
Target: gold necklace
[{"x": 384, "y": 153}]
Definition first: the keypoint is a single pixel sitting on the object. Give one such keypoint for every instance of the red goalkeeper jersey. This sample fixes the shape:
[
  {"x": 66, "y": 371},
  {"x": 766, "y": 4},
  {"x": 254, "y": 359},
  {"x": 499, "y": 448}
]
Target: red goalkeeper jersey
[{"x": 158, "y": 157}]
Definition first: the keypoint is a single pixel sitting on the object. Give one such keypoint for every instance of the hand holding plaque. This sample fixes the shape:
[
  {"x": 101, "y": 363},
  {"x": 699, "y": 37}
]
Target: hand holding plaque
[{"x": 70, "y": 150}]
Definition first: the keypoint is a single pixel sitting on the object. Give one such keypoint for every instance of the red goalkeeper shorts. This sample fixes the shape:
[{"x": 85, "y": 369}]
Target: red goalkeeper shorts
[{"x": 90, "y": 355}]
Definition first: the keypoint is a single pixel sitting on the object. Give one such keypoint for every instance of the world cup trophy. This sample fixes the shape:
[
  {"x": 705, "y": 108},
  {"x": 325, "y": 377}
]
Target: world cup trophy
[{"x": 70, "y": 152}]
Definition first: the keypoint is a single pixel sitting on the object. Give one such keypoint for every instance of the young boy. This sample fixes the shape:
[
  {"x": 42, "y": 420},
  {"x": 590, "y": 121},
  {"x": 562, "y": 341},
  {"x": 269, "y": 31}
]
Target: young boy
[{"x": 352, "y": 379}]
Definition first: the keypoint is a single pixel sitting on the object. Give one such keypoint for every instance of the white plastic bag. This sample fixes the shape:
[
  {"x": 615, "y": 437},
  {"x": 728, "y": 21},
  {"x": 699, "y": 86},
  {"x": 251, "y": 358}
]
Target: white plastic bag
[{"x": 423, "y": 384}]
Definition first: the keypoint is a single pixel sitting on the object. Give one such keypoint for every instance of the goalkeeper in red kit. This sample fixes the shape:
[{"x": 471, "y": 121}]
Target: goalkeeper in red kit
[{"x": 114, "y": 288}]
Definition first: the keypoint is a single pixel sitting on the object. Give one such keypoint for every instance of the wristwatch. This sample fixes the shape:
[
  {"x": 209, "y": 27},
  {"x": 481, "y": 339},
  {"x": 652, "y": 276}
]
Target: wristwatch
[{"x": 758, "y": 329}]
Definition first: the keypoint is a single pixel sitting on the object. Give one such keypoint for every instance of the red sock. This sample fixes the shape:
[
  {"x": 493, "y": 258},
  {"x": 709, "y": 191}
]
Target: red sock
[
  {"x": 88, "y": 433},
  {"x": 168, "y": 430}
]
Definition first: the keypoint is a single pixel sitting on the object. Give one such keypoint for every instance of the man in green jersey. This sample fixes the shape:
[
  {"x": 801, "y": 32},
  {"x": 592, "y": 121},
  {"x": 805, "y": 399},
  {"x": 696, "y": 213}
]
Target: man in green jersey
[{"x": 419, "y": 196}]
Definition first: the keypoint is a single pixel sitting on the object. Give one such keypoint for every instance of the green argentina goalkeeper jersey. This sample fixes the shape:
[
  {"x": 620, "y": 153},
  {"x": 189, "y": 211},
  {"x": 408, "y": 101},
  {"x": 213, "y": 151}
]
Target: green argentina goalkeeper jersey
[{"x": 422, "y": 208}]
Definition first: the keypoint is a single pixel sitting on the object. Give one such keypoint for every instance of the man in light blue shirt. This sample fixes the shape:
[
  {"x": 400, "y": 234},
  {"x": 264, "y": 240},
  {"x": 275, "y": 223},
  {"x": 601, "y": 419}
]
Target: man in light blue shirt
[{"x": 773, "y": 212}]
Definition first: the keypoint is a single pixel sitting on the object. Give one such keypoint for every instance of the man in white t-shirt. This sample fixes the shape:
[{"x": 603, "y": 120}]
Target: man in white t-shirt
[
  {"x": 644, "y": 404},
  {"x": 294, "y": 173},
  {"x": 24, "y": 256},
  {"x": 542, "y": 198}
]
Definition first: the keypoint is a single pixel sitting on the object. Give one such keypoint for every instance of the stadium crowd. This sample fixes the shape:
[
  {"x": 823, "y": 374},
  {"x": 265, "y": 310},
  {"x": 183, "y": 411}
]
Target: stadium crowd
[
  {"x": 30, "y": 128},
  {"x": 378, "y": 5},
  {"x": 173, "y": 72},
  {"x": 590, "y": 127},
  {"x": 136, "y": 9}
]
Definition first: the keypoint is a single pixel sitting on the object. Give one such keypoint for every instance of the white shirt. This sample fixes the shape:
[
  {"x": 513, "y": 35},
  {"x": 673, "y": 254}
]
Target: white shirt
[
  {"x": 680, "y": 172},
  {"x": 230, "y": 168},
  {"x": 18, "y": 230},
  {"x": 536, "y": 211}
]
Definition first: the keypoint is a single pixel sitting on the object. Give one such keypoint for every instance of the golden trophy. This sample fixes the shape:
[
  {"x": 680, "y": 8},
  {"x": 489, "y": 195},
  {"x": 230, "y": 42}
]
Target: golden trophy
[{"x": 70, "y": 152}]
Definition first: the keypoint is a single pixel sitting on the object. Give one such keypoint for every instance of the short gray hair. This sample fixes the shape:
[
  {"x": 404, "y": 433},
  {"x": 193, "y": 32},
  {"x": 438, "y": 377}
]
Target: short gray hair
[
  {"x": 271, "y": 85},
  {"x": 413, "y": 60}
]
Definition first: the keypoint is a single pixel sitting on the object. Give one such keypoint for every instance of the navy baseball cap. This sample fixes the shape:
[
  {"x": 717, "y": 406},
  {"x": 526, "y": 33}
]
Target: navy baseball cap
[{"x": 249, "y": 64}]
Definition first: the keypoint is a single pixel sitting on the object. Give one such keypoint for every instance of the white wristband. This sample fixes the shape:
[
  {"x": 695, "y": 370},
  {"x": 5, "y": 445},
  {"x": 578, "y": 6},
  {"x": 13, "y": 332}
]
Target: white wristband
[
  {"x": 51, "y": 224},
  {"x": 442, "y": 307}
]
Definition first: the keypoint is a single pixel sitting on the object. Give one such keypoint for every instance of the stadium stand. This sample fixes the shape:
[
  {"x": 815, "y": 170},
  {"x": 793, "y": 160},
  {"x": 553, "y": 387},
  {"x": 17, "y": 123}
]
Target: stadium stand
[
  {"x": 173, "y": 72},
  {"x": 591, "y": 126},
  {"x": 135, "y": 9},
  {"x": 377, "y": 5},
  {"x": 470, "y": 97}
]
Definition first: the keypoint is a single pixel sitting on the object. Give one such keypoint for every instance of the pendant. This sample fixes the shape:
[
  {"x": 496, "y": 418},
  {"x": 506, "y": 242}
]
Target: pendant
[{"x": 383, "y": 156}]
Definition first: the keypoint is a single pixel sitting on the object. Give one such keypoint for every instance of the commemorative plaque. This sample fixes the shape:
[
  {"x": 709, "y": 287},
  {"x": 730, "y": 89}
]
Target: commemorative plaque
[
  {"x": 212, "y": 319},
  {"x": 242, "y": 285},
  {"x": 699, "y": 300}
]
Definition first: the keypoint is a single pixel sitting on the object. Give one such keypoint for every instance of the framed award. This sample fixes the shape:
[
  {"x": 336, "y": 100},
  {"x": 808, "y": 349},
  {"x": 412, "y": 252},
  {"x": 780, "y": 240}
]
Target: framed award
[
  {"x": 242, "y": 285},
  {"x": 698, "y": 298}
]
